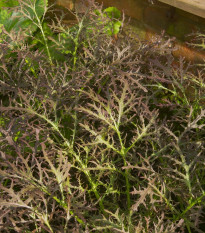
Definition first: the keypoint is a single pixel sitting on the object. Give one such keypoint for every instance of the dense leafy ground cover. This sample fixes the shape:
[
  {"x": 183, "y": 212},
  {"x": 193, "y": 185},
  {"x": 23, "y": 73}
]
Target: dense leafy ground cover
[{"x": 96, "y": 134}]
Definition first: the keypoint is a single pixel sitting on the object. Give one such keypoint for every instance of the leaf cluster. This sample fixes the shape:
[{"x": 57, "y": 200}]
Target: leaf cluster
[{"x": 108, "y": 138}]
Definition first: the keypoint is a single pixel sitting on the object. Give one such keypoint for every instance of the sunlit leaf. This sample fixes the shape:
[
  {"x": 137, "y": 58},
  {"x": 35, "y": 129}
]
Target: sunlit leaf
[{"x": 112, "y": 12}]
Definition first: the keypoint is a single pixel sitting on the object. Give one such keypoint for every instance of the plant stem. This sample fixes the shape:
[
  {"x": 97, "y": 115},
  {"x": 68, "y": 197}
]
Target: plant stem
[{"x": 44, "y": 37}]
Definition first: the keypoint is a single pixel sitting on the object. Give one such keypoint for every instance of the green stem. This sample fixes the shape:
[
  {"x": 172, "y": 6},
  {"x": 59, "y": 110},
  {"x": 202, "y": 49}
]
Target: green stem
[
  {"x": 198, "y": 200},
  {"x": 76, "y": 41},
  {"x": 44, "y": 37},
  {"x": 123, "y": 153}
]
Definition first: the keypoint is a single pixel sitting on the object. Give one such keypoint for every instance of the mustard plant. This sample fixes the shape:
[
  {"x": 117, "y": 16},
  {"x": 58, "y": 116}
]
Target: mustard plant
[{"x": 108, "y": 138}]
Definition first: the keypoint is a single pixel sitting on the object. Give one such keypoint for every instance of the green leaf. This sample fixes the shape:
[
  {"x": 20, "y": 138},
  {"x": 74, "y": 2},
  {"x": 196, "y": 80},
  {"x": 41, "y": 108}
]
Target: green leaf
[
  {"x": 40, "y": 7},
  {"x": 16, "y": 20},
  {"x": 4, "y": 16},
  {"x": 112, "y": 12},
  {"x": 116, "y": 27},
  {"x": 34, "y": 7},
  {"x": 9, "y": 3},
  {"x": 113, "y": 28},
  {"x": 97, "y": 12}
]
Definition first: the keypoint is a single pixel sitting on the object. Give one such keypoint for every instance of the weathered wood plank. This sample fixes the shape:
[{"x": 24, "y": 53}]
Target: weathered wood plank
[{"x": 196, "y": 7}]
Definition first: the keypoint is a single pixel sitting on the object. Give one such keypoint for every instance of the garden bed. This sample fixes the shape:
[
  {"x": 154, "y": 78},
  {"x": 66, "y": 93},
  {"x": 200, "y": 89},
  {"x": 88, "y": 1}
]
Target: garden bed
[{"x": 99, "y": 132}]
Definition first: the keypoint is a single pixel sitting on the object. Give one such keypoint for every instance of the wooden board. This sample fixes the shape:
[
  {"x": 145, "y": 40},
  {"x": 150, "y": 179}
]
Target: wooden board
[{"x": 196, "y": 7}]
